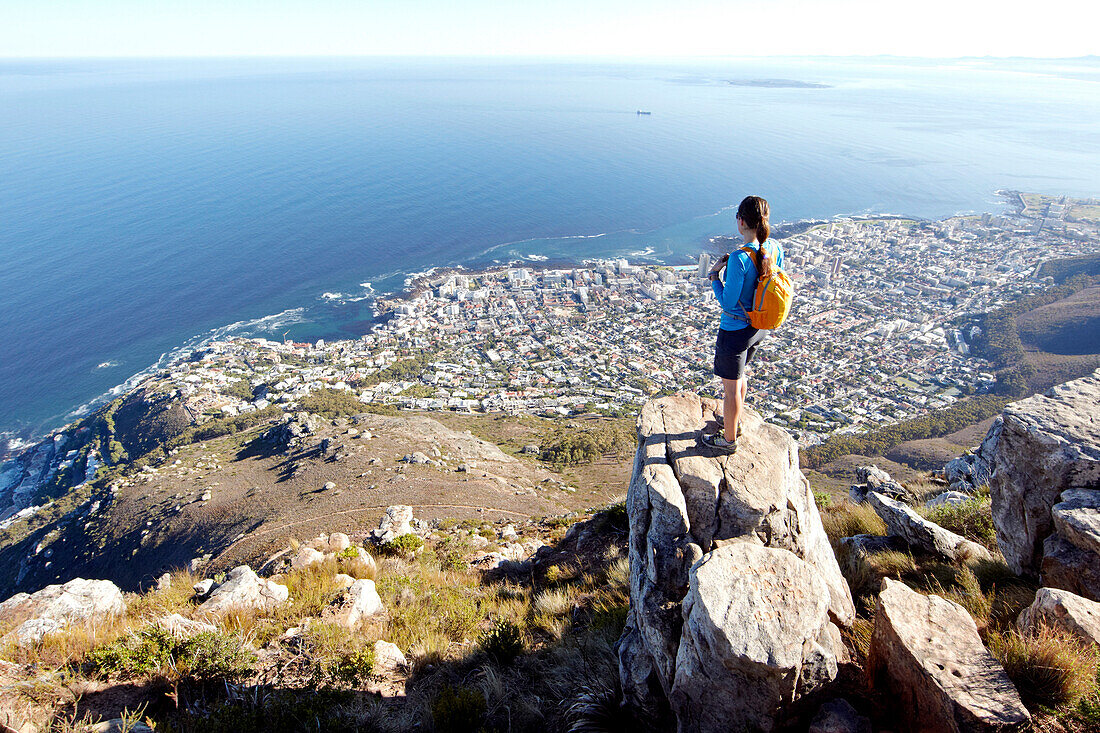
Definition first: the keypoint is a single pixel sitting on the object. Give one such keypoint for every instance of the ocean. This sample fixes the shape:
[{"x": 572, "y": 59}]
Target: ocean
[{"x": 148, "y": 205}]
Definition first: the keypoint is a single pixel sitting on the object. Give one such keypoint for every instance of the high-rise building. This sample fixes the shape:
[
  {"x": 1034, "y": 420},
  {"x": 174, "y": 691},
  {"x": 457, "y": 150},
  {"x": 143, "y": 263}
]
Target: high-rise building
[{"x": 704, "y": 264}]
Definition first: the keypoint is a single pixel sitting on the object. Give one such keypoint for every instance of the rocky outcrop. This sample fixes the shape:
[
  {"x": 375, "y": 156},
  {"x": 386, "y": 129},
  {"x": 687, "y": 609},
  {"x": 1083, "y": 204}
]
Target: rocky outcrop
[
  {"x": 1063, "y": 610},
  {"x": 359, "y": 601},
  {"x": 756, "y": 626},
  {"x": 1048, "y": 444},
  {"x": 289, "y": 434},
  {"x": 396, "y": 522},
  {"x": 904, "y": 523},
  {"x": 927, "y": 652},
  {"x": 873, "y": 478},
  {"x": 244, "y": 589},
  {"x": 968, "y": 473},
  {"x": 693, "y": 516},
  {"x": 56, "y": 606}
]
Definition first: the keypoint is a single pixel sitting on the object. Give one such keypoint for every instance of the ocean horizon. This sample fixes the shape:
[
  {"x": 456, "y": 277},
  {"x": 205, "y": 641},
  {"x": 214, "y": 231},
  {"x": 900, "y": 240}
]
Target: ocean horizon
[{"x": 147, "y": 206}]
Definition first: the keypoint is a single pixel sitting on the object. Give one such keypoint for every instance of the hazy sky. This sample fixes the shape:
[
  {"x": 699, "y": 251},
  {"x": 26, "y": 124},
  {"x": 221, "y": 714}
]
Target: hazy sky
[{"x": 548, "y": 27}]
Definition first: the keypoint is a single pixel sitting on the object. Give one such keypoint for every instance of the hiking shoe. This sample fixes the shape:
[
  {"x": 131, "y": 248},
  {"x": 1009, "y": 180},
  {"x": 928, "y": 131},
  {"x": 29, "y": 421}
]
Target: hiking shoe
[
  {"x": 718, "y": 442},
  {"x": 722, "y": 424}
]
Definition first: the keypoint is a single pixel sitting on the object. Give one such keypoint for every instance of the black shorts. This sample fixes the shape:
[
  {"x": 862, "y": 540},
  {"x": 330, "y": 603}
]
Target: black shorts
[{"x": 734, "y": 350}]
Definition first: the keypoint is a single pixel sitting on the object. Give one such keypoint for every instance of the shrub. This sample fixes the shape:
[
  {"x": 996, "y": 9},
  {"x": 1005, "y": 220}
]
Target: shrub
[
  {"x": 503, "y": 642},
  {"x": 615, "y": 517},
  {"x": 339, "y": 656},
  {"x": 458, "y": 710},
  {"x": 264, "y": 710},
  {"x": 823, "y": 500},
  {"x": 349, "y": 667},
  {"x": 564, "y": 448},
  {"x": 331, "y": 403},
  {"x": 972, "y": 519},
  {"x": 205, "y": 656},
  {"x": 211, "y": 655},
  {"x": 406, "y": 544},
  {"x": 134, "y": 655}
]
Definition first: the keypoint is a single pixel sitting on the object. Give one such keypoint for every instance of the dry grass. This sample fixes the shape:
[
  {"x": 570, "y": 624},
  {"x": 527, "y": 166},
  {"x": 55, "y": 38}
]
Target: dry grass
[
  {"x": 68, "y": 646},
  {"x": 435, "y": 614},
  {"x": 1049, "y": 668},
  {"x": 845, "y": 519}
]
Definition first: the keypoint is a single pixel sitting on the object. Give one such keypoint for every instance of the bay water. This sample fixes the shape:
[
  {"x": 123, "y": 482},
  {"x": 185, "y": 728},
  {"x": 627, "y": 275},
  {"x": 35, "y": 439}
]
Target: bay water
[{"x": 146, "y": 205}]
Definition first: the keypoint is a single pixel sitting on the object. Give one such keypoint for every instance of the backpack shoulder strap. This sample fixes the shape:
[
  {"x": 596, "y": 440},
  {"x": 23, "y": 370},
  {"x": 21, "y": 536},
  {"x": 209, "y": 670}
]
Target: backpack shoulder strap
[{"x": 756, "y": 255}]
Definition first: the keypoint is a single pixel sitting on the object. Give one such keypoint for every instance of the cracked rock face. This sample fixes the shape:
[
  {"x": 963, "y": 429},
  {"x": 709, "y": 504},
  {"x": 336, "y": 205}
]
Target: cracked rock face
[
  {"x": 756, "y": 625},
  {"x": 696, "y": 514},
  {"x": 1048, "y": 444}
]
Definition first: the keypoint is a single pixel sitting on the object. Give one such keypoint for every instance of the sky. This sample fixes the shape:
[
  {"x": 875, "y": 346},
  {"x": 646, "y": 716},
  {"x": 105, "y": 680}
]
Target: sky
[{"x": 643, "y": 28}]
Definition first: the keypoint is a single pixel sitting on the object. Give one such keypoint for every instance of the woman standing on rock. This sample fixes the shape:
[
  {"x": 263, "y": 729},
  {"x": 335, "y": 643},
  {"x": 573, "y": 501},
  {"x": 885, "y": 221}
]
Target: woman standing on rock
[{"x": 737, "y": 340}]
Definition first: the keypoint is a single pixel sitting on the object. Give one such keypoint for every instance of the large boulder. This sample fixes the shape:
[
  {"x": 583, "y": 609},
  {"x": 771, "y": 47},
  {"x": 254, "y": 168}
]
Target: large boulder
[
  {"x": 55, "y": 606},
  {"x": 359, "y": 601},
  {"x": 926, "y": 651},
  {"x": 756, "y": 625},
  {"x": 1063, "y": 610},
  {"x": 1048, "y": 444},
  {"x": 904, "y": 523},
  {"x": 397, "y": 521},
  {"x": 244, "y": 589},
  {"x": 685, "y": 502},
  {"x": 873, "y": 478}
]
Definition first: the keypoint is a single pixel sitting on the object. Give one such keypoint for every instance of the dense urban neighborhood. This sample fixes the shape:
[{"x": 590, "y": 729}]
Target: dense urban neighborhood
[{"x": 875, "y": 334}]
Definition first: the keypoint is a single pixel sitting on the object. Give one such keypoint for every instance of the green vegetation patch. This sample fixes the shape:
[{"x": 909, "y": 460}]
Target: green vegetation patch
[
  {"x": 566, "y": 447},
  {"x": 209, "y": 655},
  {"x": 331, "y": 403}
]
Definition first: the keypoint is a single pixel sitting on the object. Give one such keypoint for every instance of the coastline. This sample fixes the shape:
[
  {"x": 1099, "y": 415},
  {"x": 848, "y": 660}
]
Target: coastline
[{"x": 415, "y": 283}]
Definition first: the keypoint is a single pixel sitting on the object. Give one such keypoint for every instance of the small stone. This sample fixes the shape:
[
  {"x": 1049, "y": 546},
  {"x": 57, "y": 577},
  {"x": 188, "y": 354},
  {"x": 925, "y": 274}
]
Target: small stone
[
  {"x": 329, "y": 485},
  {"x": 338, "y": 542},
  {"x": 838, "y": 716},
  {"x": 360, "y": 600},
  {"x": 202, "y": 588},
  {"x": 950, "y": 498},
  {"x": 164, "y": 582},
  {"x": 305, "y": 557},
  {"x": 343, "y": 581},
  {"x": 388, "y": 658}
]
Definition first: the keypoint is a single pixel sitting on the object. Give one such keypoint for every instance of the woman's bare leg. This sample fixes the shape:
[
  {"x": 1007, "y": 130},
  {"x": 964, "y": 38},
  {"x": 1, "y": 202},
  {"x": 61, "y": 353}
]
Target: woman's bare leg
[{"x": 733, "y": 396}]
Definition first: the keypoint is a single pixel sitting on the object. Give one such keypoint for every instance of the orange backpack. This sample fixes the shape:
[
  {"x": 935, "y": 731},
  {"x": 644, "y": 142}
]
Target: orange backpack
[{"x": 772, "y": 300}]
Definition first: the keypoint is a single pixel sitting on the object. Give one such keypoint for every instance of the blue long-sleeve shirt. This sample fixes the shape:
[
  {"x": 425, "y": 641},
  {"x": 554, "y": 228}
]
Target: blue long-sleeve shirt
[{"x": 735, "y": 294}]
